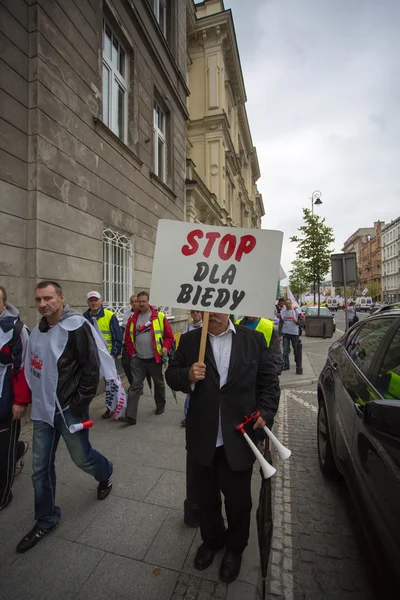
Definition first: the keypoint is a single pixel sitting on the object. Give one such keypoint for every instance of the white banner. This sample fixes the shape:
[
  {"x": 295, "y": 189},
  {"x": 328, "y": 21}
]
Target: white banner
[{"x": 221, "y": 269}]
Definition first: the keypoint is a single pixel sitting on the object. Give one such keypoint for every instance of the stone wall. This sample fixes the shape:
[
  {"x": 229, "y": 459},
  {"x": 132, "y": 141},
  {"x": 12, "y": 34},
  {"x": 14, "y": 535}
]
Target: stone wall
[{"x": 64, "y": 174}]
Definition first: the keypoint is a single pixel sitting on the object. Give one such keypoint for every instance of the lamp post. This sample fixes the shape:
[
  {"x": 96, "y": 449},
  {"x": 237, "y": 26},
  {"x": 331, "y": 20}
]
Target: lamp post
[{"x": 315, "y": 199}]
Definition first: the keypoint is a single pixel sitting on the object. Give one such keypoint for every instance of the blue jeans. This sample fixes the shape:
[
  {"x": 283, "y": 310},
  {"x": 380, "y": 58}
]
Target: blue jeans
[
  {"x": 186, "y": 405},
  {"x": 287, "y": 338},
  {"x": 44, "y": 447}
]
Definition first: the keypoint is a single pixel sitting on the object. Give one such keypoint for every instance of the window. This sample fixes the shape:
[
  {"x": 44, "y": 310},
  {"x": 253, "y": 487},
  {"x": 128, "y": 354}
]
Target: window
[
  {"x": 160, "y": 11},
  {"x": 159, "y": 142},
  {"x": 364, "y": 345},
  {"x": 115, "y": 89},
  {"x": 117, "y": 260},
  {"x": 388, "y": 381}
]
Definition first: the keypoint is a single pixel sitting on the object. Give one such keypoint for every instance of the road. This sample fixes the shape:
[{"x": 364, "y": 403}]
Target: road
[
  {"x": 319, "y": 550},
  {"x": 340, "y": 319}
]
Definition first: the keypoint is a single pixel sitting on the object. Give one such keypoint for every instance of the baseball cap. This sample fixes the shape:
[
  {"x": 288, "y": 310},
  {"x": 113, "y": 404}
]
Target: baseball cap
[{"x": 93, "y": 295}]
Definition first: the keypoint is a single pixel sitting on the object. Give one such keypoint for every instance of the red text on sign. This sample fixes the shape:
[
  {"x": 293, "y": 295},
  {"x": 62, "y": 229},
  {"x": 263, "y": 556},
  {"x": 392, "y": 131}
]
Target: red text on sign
[{"x": 229, "y": 244}]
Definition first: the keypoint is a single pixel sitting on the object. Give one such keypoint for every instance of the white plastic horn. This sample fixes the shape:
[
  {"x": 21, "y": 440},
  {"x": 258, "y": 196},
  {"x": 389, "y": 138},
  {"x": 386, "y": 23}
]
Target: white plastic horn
[
  {"x": 267, "y": 469},
  {"x": 283, "y": 452}
]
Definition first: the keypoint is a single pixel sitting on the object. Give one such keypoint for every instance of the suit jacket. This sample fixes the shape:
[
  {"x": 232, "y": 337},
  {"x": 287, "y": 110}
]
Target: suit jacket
[{"x": 252, "y": 384}]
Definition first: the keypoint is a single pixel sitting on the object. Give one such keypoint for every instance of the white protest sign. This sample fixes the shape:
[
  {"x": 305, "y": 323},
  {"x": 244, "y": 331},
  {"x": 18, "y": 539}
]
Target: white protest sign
[{"x": 211, "y": 268}]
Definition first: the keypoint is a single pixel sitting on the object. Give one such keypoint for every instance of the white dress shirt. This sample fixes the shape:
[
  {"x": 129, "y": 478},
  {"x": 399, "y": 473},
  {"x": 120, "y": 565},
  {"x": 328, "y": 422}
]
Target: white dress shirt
[{"x": 222, "y": 347}]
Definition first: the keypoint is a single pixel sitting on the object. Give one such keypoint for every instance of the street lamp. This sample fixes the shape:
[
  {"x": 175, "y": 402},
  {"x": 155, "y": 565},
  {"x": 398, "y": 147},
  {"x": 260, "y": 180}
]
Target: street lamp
[{"x": 315, "y": 199}]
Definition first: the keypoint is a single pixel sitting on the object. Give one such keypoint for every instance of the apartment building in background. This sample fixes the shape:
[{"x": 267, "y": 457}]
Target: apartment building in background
[
  {"x": 93, "y": 109},
  {"x": 352, "y": 243},
  {"x": 222, "y": 163},
  {"x": 391, "y": 262},
  {"x": 369, "y": 255}
]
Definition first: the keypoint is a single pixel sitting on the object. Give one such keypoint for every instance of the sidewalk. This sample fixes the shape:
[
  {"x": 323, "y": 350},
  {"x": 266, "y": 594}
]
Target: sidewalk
[
  {"x": 134, "y": 544},
  {"x": 315, "y": 351}
]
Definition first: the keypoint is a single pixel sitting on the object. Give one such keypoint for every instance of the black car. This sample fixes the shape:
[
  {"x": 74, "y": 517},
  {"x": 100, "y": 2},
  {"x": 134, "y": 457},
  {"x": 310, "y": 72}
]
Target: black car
[{"x": 359, "y": 428}]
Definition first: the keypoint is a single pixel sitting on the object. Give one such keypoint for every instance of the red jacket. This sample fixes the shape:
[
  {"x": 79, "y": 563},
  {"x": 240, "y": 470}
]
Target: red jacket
[
  {"x": 168, "y": 335},
  {"x": 15, "y": 388}
]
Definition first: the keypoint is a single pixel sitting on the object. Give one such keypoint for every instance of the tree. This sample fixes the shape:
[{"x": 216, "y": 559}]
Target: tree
[
  {"x": 298, "y": 279},
  {"x": 313, "y": 247}
]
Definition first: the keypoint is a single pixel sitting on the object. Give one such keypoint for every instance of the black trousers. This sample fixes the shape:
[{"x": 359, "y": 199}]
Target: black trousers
[
  {"x": 139, "y": 369},
  {"x": 9, "y": 455},
  {"x": 236, "y": 488},
  {"x": 126, "y": 364}
]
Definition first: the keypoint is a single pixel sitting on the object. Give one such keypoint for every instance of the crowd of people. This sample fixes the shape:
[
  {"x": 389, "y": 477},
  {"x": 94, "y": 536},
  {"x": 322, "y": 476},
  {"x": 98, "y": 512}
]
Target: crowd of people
[{"x": 58, "y": 367}]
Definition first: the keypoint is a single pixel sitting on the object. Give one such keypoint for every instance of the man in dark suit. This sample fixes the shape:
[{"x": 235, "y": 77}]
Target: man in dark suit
[{"x": 237, "y": 378}]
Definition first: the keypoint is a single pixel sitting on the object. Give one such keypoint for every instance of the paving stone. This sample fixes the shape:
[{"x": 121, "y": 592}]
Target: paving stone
[
  {"x": 62, "y": 565},
  {"x": 172, "y": 542},
  {"x": 126, "y": 527},
  {"x": 170, "y": 490},
  {"x": 126, "y": 579}
]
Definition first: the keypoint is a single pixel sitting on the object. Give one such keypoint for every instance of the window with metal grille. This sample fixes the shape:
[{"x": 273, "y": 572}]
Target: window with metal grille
[
  {"x": 115, "y": 88},
  {"x": 117, "y": 260}
]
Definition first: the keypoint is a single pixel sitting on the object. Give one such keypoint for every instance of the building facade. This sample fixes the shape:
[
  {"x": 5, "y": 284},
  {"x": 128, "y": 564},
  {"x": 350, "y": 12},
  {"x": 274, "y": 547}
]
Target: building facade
[
  {"x": 391, "y": 262},
  {"x": 352, "y": 243},
  {"x": 370, "y": 263},
  {"x": 222, "y": 163},
  {"x": 93, "y": 143}
]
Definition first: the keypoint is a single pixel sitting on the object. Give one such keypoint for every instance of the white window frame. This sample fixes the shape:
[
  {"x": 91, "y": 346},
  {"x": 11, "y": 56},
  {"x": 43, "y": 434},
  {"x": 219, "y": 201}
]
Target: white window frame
[
  {"x": 116, "y": 80},
  {"x": 117, "y": 269},
  {"x": 160, "y": 135},
  {"x": 160, "y": 6}
]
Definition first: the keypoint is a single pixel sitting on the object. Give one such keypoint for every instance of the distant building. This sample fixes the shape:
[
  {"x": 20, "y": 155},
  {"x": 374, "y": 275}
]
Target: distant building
[
  {"x": 391, "y": 261},
  {"x": 351, "y": 244},
  {"x": 222, "y": 163},
  {"x": 369, "y": 254}
]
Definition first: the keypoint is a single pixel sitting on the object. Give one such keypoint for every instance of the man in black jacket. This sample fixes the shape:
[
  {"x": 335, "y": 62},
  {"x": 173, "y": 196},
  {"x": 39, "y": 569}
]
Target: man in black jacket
[
  {"x": 237, "y": 378},
  {"x": 62, "y": 368}
]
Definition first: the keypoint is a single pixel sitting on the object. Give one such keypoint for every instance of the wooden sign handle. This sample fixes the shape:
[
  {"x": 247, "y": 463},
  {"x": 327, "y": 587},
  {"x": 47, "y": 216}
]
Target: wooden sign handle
[{"x": 203, "y": 341}]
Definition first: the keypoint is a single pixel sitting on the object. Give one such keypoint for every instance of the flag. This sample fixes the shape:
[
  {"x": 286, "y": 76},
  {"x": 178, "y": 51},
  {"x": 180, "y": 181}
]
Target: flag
[{"x": 293, "y": 299}]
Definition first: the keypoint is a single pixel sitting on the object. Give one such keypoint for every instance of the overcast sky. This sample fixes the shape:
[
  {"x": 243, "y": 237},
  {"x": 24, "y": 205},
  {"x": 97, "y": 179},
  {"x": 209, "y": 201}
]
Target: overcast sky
[{"x": 322, "y": 80}]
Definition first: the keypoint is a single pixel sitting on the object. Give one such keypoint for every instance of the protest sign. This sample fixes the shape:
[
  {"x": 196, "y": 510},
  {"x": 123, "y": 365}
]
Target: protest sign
[{"x": 216, "y": 268}]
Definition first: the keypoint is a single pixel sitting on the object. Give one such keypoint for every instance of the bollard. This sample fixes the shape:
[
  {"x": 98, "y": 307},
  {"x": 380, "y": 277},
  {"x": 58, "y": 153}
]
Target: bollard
[
  {"x": 190, "y": 505},
  {"x": 299, "y": 357}
]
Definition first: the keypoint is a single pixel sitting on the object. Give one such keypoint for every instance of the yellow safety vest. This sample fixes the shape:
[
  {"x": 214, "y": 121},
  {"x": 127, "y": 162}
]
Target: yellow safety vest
[
  {"x": 265, "y": 326},
  {"x": 394, "y": 385},
  {"x": 104, "y": 326},
  {"x": 158, "y": 328}
]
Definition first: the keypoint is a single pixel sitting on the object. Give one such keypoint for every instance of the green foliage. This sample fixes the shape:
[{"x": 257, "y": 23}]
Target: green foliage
[
  {"x": 313, "y": 246},
  {"x": 299, "y": 280}
]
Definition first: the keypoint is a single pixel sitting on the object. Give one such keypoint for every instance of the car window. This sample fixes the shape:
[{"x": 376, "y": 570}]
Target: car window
[
  {"x": 366, "y": 341},
  {"x": 388, "y": 381}
]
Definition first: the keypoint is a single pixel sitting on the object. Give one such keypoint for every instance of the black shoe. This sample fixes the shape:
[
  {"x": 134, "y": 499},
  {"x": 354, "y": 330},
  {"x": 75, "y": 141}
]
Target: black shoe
[
  {"x": 127, "y": 420},
  {"x": 10, "y": 497},
  {"x": 33, "y": 538},
  {"x": 104, "y": 488},
  {"x": 159, "y": 411},
  {"x": 230, "y": 566},
  {"x": 205, "y": 556},
  {"x": 286, "y": 369},
  {"x": 107, "y": 414},
  {"x": 183, "y": 424}
]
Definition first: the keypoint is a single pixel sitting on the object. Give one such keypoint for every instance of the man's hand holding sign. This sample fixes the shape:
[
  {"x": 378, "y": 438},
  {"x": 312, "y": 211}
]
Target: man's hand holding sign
[{"x": 227, "y": 369}]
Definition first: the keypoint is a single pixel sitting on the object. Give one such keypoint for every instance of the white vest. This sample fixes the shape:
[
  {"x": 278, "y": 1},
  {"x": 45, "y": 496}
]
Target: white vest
[{"x": 41, "y": 372}]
